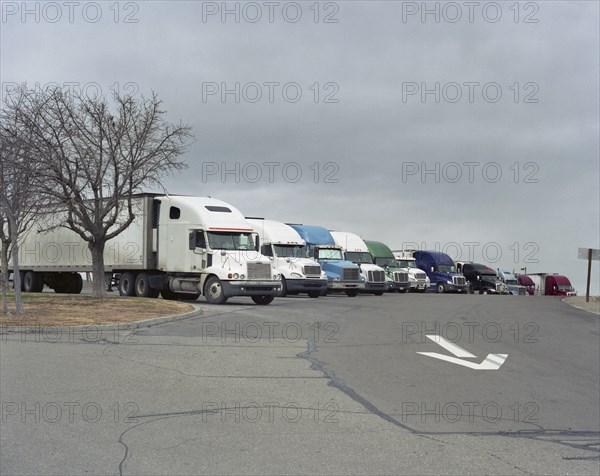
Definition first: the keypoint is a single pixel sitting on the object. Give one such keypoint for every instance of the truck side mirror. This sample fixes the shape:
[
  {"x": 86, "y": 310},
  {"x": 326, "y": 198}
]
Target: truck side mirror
[
  {"x": 433, "y": 269},
  {"x": 257, "y": 243},
  {"x": 192, "y": 240}
]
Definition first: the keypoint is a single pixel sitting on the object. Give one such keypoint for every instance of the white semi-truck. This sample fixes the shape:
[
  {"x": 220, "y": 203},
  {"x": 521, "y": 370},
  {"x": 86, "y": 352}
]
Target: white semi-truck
[
  {"x": 417, "y": 278},
  {"x": 178, "y": 246},
  {"x": 356, "y": 251},
  {"x": 288, "y": 252}
]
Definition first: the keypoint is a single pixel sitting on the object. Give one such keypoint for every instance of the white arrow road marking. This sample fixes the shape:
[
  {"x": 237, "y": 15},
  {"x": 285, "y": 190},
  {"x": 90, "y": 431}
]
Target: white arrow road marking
[{"x": 491, "y": 362}]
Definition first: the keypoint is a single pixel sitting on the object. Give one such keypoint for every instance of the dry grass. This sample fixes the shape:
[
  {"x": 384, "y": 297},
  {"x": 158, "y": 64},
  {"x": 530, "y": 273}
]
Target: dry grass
[{"x": 69, "y": 310}]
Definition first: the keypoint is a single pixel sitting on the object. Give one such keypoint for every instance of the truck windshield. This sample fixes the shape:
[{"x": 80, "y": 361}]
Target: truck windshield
[
  {"x": 386, "y": 262},
  {"x": 230, "y": 241},
  {"x": 290, "y": 251},
  {"x": 446, "y": 268},
  {"x": 565, "y": 287},
  {"x": 329, "y": 253},
  {"x": 404, "y": 263},
  {"x": 359, "y": 257},
  {"x": 511, "y": 281}
]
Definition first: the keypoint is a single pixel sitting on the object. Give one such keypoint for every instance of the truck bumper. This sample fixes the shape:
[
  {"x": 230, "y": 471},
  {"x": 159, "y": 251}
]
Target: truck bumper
[
  {"x": 251, "y": 288},
  {"x": 453, "y": 288},
  {"x": 394, "y": 286},
  {"x": 374, "y": 288},
  {"x": 305, "y": 285},
  {"x": 418, "y": 286},
  {"x": 345, "y": 285}
]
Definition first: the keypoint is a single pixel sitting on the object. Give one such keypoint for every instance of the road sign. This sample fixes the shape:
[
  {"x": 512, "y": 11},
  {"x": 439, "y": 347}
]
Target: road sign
[
  {"x": 491, "y": 362},
  {"x": 582, "y": 253},
  {"x": 589, "y": 254}
]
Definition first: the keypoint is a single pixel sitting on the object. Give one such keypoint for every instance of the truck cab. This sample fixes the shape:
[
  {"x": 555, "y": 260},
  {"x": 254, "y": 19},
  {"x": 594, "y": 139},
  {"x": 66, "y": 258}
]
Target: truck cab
[
  {"x": 527, "y": 282},
  {"x": 512, "y": 285},
  {"x": 342, "y": 275},
  {"x": 482, "y": 278},
  {"x": 555, "y": 285},
  {"x": 356, "y": 250},
  {"x": 417, "y": 279},
  {"x": 442, "y": 271},
  {"x": 287, "y": 251},
  {"x": 397, "y": 278}
]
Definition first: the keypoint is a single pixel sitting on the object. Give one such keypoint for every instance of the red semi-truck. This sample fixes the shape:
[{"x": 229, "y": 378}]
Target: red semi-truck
[
  {"x": 552, "y": 284},
  {"x": 527, "y": 282}
]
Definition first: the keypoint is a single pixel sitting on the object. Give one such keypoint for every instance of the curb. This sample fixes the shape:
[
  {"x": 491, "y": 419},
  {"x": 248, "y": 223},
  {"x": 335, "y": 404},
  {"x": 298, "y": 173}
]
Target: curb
[
  {"x": 128, "y": 326},
  {"x": 575, "y": 306}
]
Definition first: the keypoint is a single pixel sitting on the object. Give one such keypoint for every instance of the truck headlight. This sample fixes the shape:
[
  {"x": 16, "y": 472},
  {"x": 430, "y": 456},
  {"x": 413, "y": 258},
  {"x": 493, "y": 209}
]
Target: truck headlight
[
  {"x": 363, "y": 279},
  {"x": 242, "y": 276},
  {"x": 295, "y": 275},
  {"x": 449, "y": 281},
  {"x": 236, "y": 276},
  {"x": 277, "y": 276},
  {"x": 336, "y": 279}
]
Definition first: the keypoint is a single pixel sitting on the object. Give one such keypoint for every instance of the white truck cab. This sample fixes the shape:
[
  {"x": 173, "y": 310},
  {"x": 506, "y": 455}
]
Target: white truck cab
[
  {"x": 288, "y": 253},
  {"x": 417, "y": 278},
  {"x": 356, "y": 250}
]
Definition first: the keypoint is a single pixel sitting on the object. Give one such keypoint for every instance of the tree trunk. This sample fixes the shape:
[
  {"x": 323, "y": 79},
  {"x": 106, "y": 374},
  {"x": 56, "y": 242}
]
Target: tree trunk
[
  {"x": 13, "y": 226},
  {"x": 98, "y": 283},
  {"x": 4, "y": 277}
]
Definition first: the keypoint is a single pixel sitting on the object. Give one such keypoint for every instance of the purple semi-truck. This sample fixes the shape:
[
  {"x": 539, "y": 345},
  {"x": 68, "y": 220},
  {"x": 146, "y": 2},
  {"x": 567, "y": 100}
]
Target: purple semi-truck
[{"x": 552, "y": 284}]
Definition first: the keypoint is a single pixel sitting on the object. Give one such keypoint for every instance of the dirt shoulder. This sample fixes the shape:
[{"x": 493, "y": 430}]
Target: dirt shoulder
[
  {"x": 68, "y": 310},
  {"x": 579, "y": 302}
]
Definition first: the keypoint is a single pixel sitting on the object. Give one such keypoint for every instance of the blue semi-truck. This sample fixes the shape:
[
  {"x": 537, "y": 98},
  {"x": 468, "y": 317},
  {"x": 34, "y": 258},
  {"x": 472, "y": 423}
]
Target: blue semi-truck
[
  {"x": 342, "y": 275},
  {"x": 441, "y": 271}
]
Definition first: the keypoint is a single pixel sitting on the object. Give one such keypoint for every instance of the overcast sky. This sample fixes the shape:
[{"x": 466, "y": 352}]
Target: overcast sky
[{"x": 345, "y": 93}]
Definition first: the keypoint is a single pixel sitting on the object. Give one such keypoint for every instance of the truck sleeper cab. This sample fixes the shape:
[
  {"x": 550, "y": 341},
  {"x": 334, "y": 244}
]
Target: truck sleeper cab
[
  {"x": 342, "y": 275},
  {"x": 356, "y": 250},
  {"x": 527, "y": 282},
  {"x": 396, "y": 277},
  {"x": 441, "y": 271},
  {"x": 287, "y": 250}
]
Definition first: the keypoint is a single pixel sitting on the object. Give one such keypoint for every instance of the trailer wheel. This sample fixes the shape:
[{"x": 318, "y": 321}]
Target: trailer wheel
[
  {"x": 263, "y": 300},
  {"x": 127, "y": 284},
  {"x": 352, "y": 293},
  {"x": 142, "y": 285},
  {"x": 440, "y": 288},
  {"x": 32, "y": 283},
  {"x": 213, "y": 291},
  {"x": 314, "y": 294}
]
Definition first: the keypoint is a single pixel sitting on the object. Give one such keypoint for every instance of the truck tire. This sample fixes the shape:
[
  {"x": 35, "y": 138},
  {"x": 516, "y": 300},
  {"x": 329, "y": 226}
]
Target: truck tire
[
  {"x": 127, "y": 284},
  {"x": 284, "y": 292},
  {"x": 314, "y": 294},
  {"x": 188, "y": 296},
  {"x": 263, "y": 300},
  {"x": 352, "y": 293},
  {"x": 378, "y": 293},
  {"x": 440, "y": 288},
  {"x": 142, "y": 286},
  {"x": 424, "y": 290},
  {"x": 75, "y": 284},
  {"x": 213, "y": 291},
  {"x": 167, "y": 294},
  {"x": 32, "y": 282}
]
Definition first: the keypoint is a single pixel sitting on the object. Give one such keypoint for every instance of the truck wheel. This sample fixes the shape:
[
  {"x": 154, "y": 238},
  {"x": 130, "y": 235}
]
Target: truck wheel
[
  {"x": 378, "y": 293},
  {"x": 440, "y": 288},
  {"x": 32, "y": 283},
  {"x": 142, "y": 285},
  {"x": 263, "y": 300},
  {"x": 424, "y": 290},
  {"x": 213, "y": 291},
  {"x": 75, "y": 284},
  {"x": 314, "y": 294},
  {"x": 188, "y": 297},
  {"x": 284, "y": 292},
  {"x": 324, "y": 292},
  {"x": 127, "y": 284},
  {"x": 167, "y": 294},
  {"x": 352, "y": 293}
]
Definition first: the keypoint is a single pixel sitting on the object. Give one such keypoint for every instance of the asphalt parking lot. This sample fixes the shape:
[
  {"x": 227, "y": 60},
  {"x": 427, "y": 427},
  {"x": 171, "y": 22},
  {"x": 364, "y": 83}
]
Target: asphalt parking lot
[{"x": 397, "y": 384}]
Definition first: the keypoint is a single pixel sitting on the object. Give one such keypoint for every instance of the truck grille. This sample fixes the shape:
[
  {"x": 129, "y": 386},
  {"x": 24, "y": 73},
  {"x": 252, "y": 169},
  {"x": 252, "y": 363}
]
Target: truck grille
[
  {"x": 458, "y": 280},
  {"x": 400, "y": 277},
  {"x": 420, "y": 276},
  {"x": 498, "y": 287},
  {"x": 259, "y": 271},
  {"x": 350, "y": 274},
  {"x": 312, "y": 271},
  {"x": 522, "y": 291},
  {"x": 376, "y": 276}
]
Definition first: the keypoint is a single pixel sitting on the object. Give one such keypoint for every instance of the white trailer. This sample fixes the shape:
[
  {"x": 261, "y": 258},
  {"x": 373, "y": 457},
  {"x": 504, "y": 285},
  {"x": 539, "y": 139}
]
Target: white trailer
[
  {"x": 177, "y": 246},
  {"x": 356, "y": 250},
  {"x": 288, "y": 252},
  {"x": 417, "y": 278}
]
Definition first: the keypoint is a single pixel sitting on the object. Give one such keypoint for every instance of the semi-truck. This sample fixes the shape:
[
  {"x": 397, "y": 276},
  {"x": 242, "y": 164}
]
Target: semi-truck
[
  {"x": 396, "y": 278},
  {"x": 552, "y": 284},
  {"x": 356, "y": 250},
  {"x": 287, "y": 250},
  {"x": 481, "y": 278},
  {"x": 510, "y": 281},
  {"x": 441, "y": 271},
  {"x": 177, "y": 246},
  {"x": 527, "y": 282},
  {"x": 417, "y": 278},
  {"x": 342, "y": 275}
]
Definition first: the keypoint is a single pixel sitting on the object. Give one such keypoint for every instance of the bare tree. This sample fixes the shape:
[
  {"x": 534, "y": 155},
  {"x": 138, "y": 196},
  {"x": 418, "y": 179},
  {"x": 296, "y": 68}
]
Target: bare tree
[{"x": 95, "y": 155}]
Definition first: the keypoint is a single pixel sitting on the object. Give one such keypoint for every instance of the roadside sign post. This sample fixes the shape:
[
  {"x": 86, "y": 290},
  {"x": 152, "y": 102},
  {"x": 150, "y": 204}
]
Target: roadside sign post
[{"x": 589, "y": 254}]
